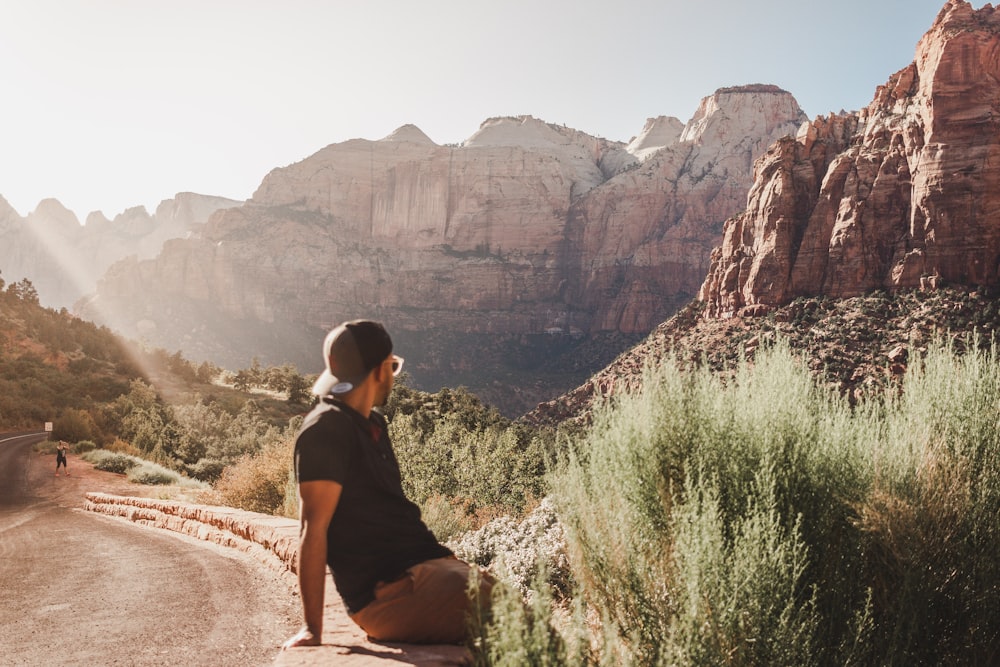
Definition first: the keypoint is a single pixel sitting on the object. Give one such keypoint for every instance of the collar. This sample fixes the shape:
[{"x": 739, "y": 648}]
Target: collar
[{"x": 368, "y": 424}]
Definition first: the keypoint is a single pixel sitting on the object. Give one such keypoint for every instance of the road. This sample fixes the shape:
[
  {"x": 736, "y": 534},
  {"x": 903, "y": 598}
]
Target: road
[{"x": 77, "y": 588}]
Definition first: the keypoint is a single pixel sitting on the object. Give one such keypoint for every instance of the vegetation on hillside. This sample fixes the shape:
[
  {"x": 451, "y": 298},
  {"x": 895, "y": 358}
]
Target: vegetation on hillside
[
  {"x": 465, "y": 463},
  {"x": 145, "y": 403},
  {"x": 51, "y": 362},
  {"x": 858, "y": 346},
  {"x": 762, "y": 519},
  {"x": 748, "y": 517}
]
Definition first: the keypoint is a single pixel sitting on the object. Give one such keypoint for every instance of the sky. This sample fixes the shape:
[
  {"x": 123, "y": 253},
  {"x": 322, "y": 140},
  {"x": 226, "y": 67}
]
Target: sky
[{"x": 110, "y": 104}]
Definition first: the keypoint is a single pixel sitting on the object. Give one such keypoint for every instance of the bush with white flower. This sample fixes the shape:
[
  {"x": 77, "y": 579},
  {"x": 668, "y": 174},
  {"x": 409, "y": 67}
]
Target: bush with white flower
[{"x": 516, "y": 551}]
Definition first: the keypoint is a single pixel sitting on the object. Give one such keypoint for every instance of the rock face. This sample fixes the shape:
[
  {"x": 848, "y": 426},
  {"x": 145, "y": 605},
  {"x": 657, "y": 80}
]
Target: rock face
[
  {"x": 493, "y": 257},
  {"x": 905, "y": 193},
  {"x": 646, "y": 236},
  {"x": 64, "y": 259},
  {"x": 658, "y": 133}
]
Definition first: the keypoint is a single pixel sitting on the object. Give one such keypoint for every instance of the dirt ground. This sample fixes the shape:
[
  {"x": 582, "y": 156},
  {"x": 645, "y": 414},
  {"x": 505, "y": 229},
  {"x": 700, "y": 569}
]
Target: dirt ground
[
  {"x": 344, "y": 643},
  {"x": 117, "y": 587}
]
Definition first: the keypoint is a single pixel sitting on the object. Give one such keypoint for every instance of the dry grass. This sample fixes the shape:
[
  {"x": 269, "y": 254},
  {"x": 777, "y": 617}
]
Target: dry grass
[
  {"x": 120, "y": 446},
  {"x": 260, "y": 482}
]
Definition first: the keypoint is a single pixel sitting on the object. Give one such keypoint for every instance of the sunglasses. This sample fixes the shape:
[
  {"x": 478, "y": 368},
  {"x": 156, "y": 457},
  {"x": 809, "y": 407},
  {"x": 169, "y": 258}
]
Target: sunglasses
[{"x": 397, "y": 364}]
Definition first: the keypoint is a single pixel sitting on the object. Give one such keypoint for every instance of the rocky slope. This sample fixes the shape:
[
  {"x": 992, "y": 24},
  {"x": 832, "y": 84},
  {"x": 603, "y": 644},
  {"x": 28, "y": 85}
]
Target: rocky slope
[
  {"x": 903, "y": 194},
  {"x": 864, "y": 236},
  {"x": 492, "y": 261},
  {"x": 64, "y": 259},
  {"x": 855, "y": 346}
]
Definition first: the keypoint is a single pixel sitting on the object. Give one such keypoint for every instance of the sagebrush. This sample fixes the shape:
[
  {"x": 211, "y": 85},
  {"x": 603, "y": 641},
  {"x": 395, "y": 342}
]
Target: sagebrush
[{"x": 762, "y": 520}]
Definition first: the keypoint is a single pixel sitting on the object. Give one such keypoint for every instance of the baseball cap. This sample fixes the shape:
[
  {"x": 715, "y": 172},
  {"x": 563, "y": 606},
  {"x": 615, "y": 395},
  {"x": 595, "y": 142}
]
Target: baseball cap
[{"x": 351, "y": 351}]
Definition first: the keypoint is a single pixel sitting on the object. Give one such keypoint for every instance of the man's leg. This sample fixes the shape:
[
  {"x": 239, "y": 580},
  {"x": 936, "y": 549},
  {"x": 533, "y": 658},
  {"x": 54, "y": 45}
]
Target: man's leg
[{"x": 427, "y": 605}]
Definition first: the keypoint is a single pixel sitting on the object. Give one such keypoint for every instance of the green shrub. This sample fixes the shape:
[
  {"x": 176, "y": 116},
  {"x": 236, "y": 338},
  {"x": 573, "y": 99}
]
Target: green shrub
[
  {"x": 110, "y": 462},
  {"x": 929, "y": 523},
  {"x": 761, "y": 520},
  {"x": 45, "y": 447},
  {"x": 206, "y": 470},
  {"x": 493, "y": 469},
  {"x": 446, "y": 518},
  {"x": 84, "y": 446},
  {"x": 138, "y": 470},
  {"x": 517, "y": 551},
  {"x": 516, "y": 633},
  {"x": 73, "y": 425},
  {"x": 739, "y": 596},
  {"x": 152, "y": 474}
]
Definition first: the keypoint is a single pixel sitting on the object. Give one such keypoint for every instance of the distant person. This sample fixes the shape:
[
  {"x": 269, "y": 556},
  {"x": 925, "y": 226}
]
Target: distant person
[
  {"x": 61, "y": 449},
  {"x": 396, "y": 580}
]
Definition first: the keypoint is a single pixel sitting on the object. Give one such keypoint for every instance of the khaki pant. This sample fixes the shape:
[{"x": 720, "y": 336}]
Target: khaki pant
[{"x": 427, "y": 605}]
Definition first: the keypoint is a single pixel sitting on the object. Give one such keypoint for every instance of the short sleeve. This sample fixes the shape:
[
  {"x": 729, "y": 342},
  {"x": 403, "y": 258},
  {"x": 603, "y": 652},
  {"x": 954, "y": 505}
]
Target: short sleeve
[{"x": 323, "y": 450}]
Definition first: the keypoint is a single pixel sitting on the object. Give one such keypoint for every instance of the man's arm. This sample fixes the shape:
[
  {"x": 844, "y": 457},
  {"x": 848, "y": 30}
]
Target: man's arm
[{"x": 317, "y": 503}]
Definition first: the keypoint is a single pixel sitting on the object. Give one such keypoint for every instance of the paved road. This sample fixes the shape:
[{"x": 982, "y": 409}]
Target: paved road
[{"x": 81, "y": 589}]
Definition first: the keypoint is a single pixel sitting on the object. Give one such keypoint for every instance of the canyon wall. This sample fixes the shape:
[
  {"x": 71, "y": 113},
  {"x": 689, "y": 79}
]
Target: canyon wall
[
  {"x": 494, "y": 261},
  {"x": 63, "y": 259},
  {"x": 903, "y": 194}
]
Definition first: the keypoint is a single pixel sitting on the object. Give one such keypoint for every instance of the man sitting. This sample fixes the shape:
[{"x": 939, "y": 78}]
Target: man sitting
[{"x": 397, "y": 581}]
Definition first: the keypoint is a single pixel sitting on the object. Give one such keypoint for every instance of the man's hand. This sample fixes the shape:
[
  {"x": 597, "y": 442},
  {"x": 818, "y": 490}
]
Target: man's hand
[{"x": 305, "y": 637}]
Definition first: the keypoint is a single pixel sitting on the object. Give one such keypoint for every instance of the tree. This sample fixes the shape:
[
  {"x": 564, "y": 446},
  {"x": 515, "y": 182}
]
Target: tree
[
  {"x": 182, "y": 368},
  {"x": 256, "y": 373},
  {"x": 298, "y": 389},
  {"x": 73, "y": 426},
  {"x": 203, "y": 430},
  {"x": 207, "y": 371},
  {"x": 24, "y": 290},
  {"x": 242, "y": 381},
  {"x": 145, "y": 421}
]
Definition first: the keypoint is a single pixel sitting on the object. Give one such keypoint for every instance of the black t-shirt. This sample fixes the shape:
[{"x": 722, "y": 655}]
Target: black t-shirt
[{"x": 376, "y": 532}]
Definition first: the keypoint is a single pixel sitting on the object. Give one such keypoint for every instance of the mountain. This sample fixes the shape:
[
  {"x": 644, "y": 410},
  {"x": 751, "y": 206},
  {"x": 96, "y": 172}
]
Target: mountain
[
  {"x": 864, "y": 236},
  {"x": 904, "y": 194},
  {"x": 516, "y": 263},
  {"x": 63, "y": 259}
]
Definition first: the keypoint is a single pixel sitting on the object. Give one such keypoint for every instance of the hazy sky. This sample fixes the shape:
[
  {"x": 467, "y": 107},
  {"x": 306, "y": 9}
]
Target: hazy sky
[{"x": 108, "y": 104}]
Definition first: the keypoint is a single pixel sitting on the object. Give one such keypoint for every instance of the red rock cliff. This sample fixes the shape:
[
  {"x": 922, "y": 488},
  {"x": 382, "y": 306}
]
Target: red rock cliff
[{"x": 902, "y": 194}]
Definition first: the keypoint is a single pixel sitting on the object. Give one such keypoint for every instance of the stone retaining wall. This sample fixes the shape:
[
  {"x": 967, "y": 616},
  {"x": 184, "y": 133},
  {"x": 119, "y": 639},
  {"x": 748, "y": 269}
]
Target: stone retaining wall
[{"x": 273, "y": 540}]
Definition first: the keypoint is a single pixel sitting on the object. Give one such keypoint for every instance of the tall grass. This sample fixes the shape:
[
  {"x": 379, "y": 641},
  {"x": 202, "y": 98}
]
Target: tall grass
[
  {"x": 262, "y": 482},
  {"x": 761, "y": 520}
]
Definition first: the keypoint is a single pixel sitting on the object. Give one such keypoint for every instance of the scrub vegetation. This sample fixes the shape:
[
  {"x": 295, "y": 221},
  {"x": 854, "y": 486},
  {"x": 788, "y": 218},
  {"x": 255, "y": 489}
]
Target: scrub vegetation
[
  {"x": 147, "y": 413},
  {"x": 763, "y": 520}
]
